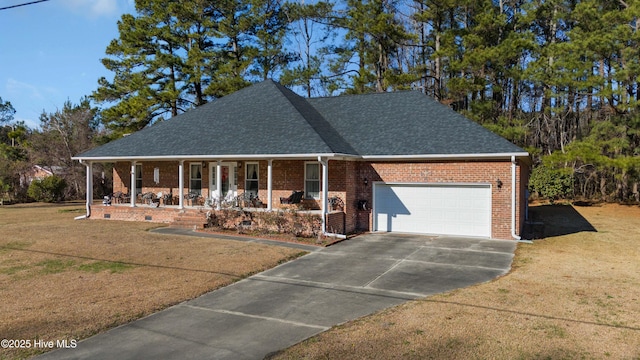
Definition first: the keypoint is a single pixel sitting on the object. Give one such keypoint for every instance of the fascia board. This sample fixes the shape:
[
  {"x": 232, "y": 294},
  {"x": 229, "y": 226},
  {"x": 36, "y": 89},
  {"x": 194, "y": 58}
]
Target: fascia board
[
  {"x": 213, "y": 157},
  {"x": 488, "y": 156}
]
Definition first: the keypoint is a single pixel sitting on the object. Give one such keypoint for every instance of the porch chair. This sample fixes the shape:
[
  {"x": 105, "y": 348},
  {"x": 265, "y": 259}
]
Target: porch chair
[
  {"x": 151, "y": 199},
  {"x": 294, "y": 198},
  {"x": 120, "y": 197},
  {"x": 246, "y": 199},
  {"x": 167, "y": 199},
  {"x": 193, "y": 197},
  {"x": 117, "y": 197}
]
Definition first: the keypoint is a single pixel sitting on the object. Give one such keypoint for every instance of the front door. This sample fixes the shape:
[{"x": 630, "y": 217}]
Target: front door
[{"x": 229, "y": 179}]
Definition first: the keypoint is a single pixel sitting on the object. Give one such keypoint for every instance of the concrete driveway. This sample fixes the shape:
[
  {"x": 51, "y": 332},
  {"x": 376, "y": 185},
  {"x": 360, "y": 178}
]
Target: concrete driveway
[{"x": 287, "y": 304}]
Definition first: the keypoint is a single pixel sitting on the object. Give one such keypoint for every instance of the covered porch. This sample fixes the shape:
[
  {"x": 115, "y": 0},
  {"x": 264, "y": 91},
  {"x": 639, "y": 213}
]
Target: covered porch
[
  {"x": 303, "y": 223},
  {"x": 166, "y": 190}
]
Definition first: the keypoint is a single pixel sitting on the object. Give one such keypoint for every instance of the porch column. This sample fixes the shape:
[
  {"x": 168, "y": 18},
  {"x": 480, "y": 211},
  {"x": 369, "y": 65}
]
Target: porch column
[
  {"x": 219, "y": 184},
  {"x": 269, "y": 184},
  {"x": 325, "y": 191},
  {"x": 133, "y": 184},
  {"x": 181, "y": 185},
  {"x": 89, "y": 187}
]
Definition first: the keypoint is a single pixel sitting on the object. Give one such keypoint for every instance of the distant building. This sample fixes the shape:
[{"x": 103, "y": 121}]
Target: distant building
[{"x": 38, "y": 172}]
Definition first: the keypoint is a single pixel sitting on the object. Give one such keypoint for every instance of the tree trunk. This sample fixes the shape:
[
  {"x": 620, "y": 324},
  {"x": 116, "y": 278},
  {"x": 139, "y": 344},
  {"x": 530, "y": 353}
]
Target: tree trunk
[{"x": 603, "y": 187}]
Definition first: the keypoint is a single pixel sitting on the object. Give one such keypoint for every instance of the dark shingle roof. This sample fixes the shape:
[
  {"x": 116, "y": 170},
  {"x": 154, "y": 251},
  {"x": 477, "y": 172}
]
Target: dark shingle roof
[
  {"x": 407, "y": 123},
  {"x": 269, "y": 119}
]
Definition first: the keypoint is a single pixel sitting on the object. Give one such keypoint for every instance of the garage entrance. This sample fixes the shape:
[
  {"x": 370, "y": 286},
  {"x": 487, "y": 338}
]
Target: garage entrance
[{"x": 451, "y": 209}]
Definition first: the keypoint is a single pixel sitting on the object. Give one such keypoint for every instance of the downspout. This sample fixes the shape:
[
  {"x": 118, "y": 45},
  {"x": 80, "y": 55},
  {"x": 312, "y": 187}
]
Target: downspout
[
  {"x": 325, "y": 194},
  {"x": 89, "y": 191},
  {"x": 513, "y": 198}
]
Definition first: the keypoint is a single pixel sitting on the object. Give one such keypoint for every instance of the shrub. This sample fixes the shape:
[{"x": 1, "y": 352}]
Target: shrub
[
  {"x": 49, "y": 189},
  {"x": 283, "y": 222},
  {"x": 551, "y": 183}
]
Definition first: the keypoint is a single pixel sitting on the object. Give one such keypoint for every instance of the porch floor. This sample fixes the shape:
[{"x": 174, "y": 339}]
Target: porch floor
[
  {"x": 188, "y": 216},
  {"x": 202, "y": 208}
]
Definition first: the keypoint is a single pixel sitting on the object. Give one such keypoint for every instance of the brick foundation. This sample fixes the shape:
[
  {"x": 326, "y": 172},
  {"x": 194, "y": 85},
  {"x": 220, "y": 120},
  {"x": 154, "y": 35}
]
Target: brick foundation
[{"x": 164, "y": 215}]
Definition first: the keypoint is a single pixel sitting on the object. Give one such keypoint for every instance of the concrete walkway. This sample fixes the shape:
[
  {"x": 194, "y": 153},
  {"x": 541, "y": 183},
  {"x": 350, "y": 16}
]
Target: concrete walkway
[{"x": 287, "y": 304}]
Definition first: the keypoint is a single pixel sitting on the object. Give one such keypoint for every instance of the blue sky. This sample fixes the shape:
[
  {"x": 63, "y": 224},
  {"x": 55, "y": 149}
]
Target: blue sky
[{"x": 50, "y": 52}]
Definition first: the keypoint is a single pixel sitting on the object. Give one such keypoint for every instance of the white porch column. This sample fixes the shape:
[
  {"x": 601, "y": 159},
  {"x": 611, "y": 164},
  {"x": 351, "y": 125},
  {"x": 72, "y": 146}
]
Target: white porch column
[
  {"x": 181, "y": 185},
  {"x": 133, "y": 184},
  {"x": 325, "y": 191},
  {"x": 269, "y": 184},
  {"x": 219, "y": 184},
  {"x": 89, "y": 187}
]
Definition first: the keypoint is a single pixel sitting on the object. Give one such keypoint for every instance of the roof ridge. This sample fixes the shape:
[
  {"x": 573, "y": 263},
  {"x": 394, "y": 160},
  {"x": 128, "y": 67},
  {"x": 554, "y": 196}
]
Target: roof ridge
[
  {"x": 374, "y": 93},
  {"x": 329, "y": 135}
]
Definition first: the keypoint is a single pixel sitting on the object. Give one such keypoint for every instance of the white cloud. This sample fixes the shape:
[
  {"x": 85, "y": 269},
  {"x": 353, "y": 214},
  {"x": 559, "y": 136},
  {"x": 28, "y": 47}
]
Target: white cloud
[
  {"x": 15, "y": 88},
  {"x": 30, "y": 123},
  {"x": 29, "y": 100},
  {"x": 106, "y": 7},
  {"x": 99, "y": 8}
]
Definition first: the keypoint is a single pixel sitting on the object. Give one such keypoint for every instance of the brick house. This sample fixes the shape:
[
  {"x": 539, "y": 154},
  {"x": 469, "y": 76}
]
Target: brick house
[{"x": 397, "y": 161}]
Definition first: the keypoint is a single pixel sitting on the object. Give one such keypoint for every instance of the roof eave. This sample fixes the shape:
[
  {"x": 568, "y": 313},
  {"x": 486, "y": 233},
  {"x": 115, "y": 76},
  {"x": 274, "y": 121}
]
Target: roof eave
[
  {"x": 485, "y": 156},
  {"x": 243, "y": 157},
  {"x": 432, "y": 157}
]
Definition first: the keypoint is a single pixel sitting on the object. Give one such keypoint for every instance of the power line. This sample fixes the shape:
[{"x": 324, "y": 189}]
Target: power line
[{"x": 24, "y": 4}]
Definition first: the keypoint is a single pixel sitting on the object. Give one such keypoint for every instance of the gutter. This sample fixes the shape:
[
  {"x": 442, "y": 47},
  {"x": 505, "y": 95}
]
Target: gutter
[
  {"x": 481, "y": 156},
  {"x": 89, "y": 188},
  {"x": 241, "y": 157},
  {"x": 513, "y": 199},
  {"x": 238, "y": 157}
]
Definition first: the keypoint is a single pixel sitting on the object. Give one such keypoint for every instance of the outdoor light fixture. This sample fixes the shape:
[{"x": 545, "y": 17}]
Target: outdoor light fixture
[
  {"x": 499, "y": 183},
  {"x": 366, "y": 182}
]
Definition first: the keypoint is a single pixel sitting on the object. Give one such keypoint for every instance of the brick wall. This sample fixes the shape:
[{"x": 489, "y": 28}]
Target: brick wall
[
  {"x": 168, "y": 177},
  {"x": 139, "y": 213},
  {"x": 487, "y": 172},
  {"x": 347, "y": 181},
  {"x": 336, "y": 222}
]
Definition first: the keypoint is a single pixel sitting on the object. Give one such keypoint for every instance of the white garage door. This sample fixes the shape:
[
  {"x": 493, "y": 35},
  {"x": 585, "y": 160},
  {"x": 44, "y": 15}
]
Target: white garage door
[{"x": 433, "y": 209}]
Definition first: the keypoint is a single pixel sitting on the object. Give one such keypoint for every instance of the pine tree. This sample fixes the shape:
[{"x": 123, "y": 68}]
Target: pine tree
[
  {"x": 368, "y": 55},
  {"x": 146, "y": 62},
  {"x": 310, "y": 37}
]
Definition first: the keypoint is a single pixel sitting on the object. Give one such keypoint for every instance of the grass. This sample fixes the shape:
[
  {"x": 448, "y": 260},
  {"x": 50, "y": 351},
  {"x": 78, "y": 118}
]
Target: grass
[
  {"x": 113, "y": 267},
  {"x": 84, "y": 277},
  {"x": 573, "y": 295},
  {"x": 54, "y": 266}
]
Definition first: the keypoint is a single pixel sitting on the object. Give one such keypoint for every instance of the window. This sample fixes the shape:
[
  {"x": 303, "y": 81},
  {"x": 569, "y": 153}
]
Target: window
[
  {"x": 312, "y": 181},
  {"x": 235, "y": 177},
  {"x": 138, "y": 178},
  {"x": 251, "y": 178},
  {"x": 195, "y": 178}
]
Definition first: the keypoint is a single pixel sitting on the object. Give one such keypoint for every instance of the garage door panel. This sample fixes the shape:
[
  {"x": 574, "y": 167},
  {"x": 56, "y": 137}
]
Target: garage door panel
[{"x": 434, "y": 209}]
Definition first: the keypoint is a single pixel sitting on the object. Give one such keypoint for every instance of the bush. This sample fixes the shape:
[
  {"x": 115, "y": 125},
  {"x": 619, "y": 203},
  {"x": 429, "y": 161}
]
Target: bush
[
  {"x": 49, "y": 189},
  {"x": 283, "y": 222},
  {"x": 551, "y": 183}
]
